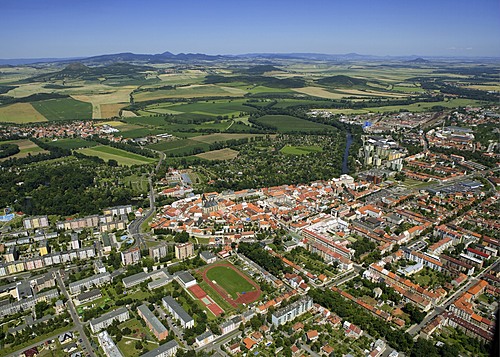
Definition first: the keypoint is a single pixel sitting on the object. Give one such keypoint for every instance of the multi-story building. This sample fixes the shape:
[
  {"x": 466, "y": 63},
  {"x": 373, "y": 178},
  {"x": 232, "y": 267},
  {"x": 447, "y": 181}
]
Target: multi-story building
[
  {"x": 178, "y": 312},
  {"x": 12, "y": 254},
  {"x": 136, "y": 279},
  {"x": 88, "y": 296},
  {"x": 107, "y": 319},
  {"x": 94, "y": 280},
  {"x": 158, "y": 252},
  {"x": 156, "y": 327},
  {"x": 75, "y": 242},
  {"x": 107, "y": 344},
  {"x": 166, "y": 350},
  {"x": 183, "y": 251},
  {"x": 26, "y": 304},
  {"x": 290, "y": 312},
  {"x": 118, "y": 210},
  {"x": 36, "y": 222},
  {"x": 131, "y": 256}
]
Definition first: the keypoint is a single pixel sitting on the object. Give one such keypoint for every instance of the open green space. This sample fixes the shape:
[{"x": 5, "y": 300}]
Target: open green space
[
  {"x": 64, "y": 109},
  {"x": 138, "y": 332},
  {"x": 229, "y": 280},
  {"x": 121, "y": 156},
  {"x": 289, "y": 124},
  {"x": 300, "y": 150}
]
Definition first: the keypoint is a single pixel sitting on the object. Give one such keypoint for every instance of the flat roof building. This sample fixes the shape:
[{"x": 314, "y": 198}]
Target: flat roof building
[
  {"x": 107, "y": 319},
  {"x": 152, "y": 322},
  {"x": 166, "y": 350},
  {"x": 178, "y": 312}
]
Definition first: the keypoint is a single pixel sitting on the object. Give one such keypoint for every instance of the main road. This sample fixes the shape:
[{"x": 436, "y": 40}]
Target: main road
[
  {"x": 74, "y": 314},
  {"x": 134, "y": 227},
  {"x": 415, "y": 329}
]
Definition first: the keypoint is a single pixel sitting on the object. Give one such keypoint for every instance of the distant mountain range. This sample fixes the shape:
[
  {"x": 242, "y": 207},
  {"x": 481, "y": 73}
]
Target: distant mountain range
[{"x": 168, "y": 57}]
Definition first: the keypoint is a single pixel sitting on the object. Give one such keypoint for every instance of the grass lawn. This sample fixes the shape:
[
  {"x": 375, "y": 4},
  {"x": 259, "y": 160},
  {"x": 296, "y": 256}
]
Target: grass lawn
[
  {"x": 127, "y": 345},
  {"x": 228, "y": 309},
  {"x": 429, "y": 277},
  {"x": 229, "y": 280},
  {"x": 64, "y": 109},
  {"x": 300, "y": 150},
  {"x": 121, "y": 156}
]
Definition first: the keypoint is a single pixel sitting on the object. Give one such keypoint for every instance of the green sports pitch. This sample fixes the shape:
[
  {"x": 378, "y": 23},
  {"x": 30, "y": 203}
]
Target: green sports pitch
[{"x": 230, "y": 280}]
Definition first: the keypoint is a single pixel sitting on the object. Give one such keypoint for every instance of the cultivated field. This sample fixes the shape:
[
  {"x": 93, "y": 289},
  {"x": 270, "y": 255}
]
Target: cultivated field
[
  {"x": 64, "y": 109},
  {"x": 213, "y": 108},
  {"x": 192, "y": 91},
  {"x": 320, "y": 92},
  {"x": 212, "y": 138},
  {"x": 20, "y": 113},
  {"x": 415, "y": 107},
  {"x": 222, "y": 154},
  {"x": 287, "y": 124},
  {"x": 179, "y": 147},
  {"x": 26, "y": 147},
  {"x": 121, "y": 156}
]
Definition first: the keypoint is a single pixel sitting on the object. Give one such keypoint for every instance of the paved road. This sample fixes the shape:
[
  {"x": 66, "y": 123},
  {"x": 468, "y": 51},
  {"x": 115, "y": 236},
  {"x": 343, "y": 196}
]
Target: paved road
[
  {"x": 74, "y": 315},
  {"x": 134, "y": 228},
  {"x": 415, "y": 329}
]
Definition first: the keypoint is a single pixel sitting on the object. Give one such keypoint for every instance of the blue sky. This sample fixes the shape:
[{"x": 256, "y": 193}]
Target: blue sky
[{"x": 56, "y": 28}]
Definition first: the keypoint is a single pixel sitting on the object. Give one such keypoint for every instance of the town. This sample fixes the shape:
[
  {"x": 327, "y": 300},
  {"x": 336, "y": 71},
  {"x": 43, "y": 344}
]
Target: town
[{"x": 266, "y": 268}]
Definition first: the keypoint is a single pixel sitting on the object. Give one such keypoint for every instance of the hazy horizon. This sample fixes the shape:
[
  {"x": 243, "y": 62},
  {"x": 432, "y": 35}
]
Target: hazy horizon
[{"x": 61, "y": 29}]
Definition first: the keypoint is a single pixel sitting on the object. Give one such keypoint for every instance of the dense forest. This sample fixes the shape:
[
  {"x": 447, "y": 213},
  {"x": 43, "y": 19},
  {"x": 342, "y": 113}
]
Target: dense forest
[{"x": 67, "y": 188}]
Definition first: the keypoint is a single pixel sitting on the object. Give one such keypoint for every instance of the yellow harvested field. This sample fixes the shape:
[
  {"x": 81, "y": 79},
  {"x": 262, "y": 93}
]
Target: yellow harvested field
[
  {"x": 222, "y": 154},
  {"x": 128, "y": 114},
  {"x": 20, "y": 113},
  {"x": 320, "y": 92},
  {"x": 492, "y": 86},
  {"x": 354, "y": 92},
  {"x": 122, "y": 95},
  {"x": 113, "y": 123},
  {"x": 98, "y": 100},
  {"x": 111, "y": 110},
  {"x": 25, "y": 90}
]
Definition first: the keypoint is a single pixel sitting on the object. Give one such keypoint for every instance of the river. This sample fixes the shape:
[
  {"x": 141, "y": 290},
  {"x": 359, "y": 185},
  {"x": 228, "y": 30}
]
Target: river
[{"x": 345, "y": 168}]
